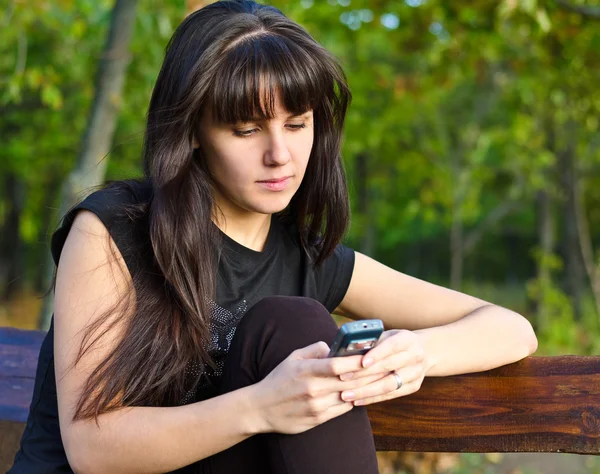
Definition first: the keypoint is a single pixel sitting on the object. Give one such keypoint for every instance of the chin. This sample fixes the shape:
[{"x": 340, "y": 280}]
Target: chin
[{"x": 271, "y": 206}]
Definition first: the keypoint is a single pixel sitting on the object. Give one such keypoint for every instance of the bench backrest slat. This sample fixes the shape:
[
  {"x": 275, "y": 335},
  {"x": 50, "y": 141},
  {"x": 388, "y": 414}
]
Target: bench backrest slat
[
  {"x": 19, "y": 351},
  {"x": 540, "y": 404}
]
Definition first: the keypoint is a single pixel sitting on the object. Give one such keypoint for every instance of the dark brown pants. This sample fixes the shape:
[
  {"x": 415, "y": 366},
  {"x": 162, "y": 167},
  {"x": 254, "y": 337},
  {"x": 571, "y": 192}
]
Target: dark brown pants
[{"x": 267, "y": 334}]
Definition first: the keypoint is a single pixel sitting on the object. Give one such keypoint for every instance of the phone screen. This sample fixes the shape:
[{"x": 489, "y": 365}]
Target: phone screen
[{"x": 357, "y": 337}]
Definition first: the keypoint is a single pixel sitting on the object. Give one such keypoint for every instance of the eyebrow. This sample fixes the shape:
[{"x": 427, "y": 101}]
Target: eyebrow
[{"x": 301, "y": 114}]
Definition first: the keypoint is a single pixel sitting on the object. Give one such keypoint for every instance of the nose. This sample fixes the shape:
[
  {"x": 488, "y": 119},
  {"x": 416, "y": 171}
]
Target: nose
[{"x": 277, "y": 152}]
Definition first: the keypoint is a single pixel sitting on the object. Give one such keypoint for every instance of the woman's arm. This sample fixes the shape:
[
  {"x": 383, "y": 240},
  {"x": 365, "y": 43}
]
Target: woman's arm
[
  {"x": 134, "y": 439},
  {"x": 156, "y": 440},
  {"x": 459, "y": 333},
  {"x": 487, "y": 337}
]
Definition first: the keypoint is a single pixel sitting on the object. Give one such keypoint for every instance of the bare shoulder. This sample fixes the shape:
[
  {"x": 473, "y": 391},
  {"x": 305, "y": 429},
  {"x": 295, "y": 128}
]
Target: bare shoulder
[
  {"x": 89, "y": 242},
  {"x": 91, "y": 279}
]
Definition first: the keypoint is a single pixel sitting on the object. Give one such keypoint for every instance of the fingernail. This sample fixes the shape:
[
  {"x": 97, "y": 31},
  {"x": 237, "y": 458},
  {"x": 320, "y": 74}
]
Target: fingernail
[
  {"x": 367, "y": 362},
  {"x": 358, "y": 403},
  {"x": 348, "y": 396},
  {"x": 347, "y": 376}
]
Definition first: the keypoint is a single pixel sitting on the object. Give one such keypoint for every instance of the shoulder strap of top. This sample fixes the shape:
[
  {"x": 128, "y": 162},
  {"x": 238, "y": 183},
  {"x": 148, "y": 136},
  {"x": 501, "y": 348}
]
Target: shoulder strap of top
[{"x": 108, "y": 204}]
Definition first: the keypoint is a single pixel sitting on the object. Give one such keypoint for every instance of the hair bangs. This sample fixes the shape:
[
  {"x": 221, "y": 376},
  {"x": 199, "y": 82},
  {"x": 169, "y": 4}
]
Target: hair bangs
[{"x": 261, "y": 69}]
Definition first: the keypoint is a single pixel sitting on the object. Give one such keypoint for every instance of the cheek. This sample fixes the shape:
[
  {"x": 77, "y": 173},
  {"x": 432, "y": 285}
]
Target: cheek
[
  {"x": 306, "y": 149},
  {"x": 301, "y": 144},
  {"x": 234, "y": 172},
  {"x": 223, "y": 159}
]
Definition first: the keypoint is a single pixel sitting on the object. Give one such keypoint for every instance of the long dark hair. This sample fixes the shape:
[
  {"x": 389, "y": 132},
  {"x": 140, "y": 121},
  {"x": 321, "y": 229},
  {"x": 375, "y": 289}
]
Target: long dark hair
[{"x": 232, "y": 57}]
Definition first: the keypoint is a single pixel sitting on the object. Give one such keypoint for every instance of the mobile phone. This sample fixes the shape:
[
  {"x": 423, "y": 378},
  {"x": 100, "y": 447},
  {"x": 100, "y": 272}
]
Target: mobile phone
[{"x": 356, "y": 337}]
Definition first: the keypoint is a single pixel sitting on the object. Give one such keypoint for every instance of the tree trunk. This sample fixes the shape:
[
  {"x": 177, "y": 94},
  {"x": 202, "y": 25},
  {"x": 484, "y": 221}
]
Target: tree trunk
[
  {"x": 91, "y": 162},
  {"x": 573, "y": 260},
  {"x": 545, "y": 220},
  {"x": 456, "y": 248},
  {"x": 367, "y": 244},
  {"x": 12, "y": 248},
  {"x": 591, "y": 12},
  {"x": 585, "y": 241},
  {"x": 43, "y": 241},
  {"x": 545, "y": 234}
]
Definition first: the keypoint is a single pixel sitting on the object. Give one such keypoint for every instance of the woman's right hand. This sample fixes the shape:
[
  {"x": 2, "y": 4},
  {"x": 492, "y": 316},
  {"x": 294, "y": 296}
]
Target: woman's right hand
[{"x": 303, "y": 391}]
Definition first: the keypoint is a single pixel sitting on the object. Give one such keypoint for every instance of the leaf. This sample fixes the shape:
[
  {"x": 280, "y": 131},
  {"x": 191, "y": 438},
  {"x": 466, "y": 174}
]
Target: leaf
[
  {"x": 528, "y": 6},
  {"x": 52, "y": 97},
  {"x": 543, "y": 20}
]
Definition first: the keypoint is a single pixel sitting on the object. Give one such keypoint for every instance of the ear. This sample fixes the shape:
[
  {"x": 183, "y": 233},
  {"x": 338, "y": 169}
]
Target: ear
[{"x": 195, "y": 143}]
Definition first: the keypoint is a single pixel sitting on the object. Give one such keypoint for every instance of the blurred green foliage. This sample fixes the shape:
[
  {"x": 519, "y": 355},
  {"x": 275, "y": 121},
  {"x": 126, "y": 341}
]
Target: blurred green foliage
[{"x": 463, "y": 115}]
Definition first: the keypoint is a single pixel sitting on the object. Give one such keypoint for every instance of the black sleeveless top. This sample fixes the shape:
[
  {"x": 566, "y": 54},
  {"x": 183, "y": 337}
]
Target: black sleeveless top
[{"x": 244, "y": 277}]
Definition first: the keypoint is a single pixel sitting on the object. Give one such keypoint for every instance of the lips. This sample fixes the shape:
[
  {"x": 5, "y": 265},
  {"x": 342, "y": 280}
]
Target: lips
[
  {"x": 275, "y": 184},
  {"x": 278, "y": 180}
]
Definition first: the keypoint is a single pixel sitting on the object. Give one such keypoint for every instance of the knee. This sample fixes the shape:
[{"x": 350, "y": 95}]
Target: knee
[
  {"x": 297, "y": 314},
  {"x": 270, "y": 330}
]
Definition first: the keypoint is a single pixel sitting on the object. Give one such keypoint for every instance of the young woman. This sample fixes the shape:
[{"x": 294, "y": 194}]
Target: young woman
[{"x": 192, "y": 307}]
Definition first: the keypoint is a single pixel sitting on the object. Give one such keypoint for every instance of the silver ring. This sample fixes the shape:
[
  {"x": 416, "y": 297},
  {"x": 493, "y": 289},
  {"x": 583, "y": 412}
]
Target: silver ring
[{"x": 398, "y": 380}]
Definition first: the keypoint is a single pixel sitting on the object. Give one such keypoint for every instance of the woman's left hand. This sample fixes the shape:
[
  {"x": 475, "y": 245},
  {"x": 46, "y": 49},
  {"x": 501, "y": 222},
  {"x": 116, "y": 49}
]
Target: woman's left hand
[{"x": 399, "y": 351}]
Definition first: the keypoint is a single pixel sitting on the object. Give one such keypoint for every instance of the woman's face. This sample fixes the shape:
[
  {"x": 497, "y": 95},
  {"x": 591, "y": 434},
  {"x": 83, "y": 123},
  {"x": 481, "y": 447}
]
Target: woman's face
[{"x": 256, "y": 166}]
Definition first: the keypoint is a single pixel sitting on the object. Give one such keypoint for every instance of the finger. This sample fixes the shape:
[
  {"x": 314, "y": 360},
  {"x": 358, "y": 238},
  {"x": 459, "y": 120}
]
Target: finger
[
  {"x": 332, "y": 387},
  {"x": 378, "y": 387},
  {"x": 333, "y": 366},
  {"x": 382, "y": 386},
  {"x": 338, "y": 386},
  {"x": 389, "y": 343},
  {"x": 318, "y": 350},
  {"x": 405, "y": 390},
  {"x": 326, "y": 401},
  {"x": 388, "y": 364},
  {"x": 396, "y": 361}
]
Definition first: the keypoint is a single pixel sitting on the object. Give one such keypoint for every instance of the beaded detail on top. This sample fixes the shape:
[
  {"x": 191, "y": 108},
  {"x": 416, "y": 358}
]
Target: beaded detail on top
[{"x": 223, "y": 324}]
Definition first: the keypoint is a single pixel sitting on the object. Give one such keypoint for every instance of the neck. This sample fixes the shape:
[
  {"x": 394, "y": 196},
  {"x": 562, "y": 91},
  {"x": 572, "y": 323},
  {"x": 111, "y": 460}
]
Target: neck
[{"x": 248, "y": 229}]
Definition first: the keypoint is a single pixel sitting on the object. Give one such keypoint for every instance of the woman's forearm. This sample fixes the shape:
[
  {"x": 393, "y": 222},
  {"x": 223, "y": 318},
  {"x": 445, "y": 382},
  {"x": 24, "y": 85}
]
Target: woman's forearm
[
  {"x": 488, "y": 337},
  {"x": 157, "y": 439}
]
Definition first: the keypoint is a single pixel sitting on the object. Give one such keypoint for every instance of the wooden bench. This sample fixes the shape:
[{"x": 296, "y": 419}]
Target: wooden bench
[{"x": 540, "y": 404}]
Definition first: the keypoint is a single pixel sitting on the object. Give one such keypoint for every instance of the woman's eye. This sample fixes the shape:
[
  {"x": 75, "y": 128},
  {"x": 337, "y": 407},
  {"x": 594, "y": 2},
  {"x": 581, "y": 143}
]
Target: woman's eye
[
  {"x": 297, "y": 126},
  {"x": 244, "y": 133},
  {"x": 248, "y": 133}
]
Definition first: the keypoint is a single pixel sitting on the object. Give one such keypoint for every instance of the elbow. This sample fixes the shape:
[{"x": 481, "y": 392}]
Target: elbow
[
  {"x": 78, "y": 468},
  {"x": 78, "y": 461},
  {"x": 533, "y": 343},
  {"x": 82, "y": 463},
  {"x": 81, "y": 457},
  {"x": 528, "y": 339},
  {"x": 87, "y": 455},
  {"x": 521, "y": 340}
]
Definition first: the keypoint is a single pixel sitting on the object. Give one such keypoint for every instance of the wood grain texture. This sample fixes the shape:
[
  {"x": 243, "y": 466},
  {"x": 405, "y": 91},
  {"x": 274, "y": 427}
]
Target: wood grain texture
[
  {"x": 540, "y": 404},
  {"x": 19, "y": 351},
  {"x": 10, "y": 436}
]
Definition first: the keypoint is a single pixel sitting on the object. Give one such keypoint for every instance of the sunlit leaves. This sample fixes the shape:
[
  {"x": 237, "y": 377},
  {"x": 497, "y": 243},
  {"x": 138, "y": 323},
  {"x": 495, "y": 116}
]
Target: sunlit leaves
[{"x": 451, "y": 101}]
